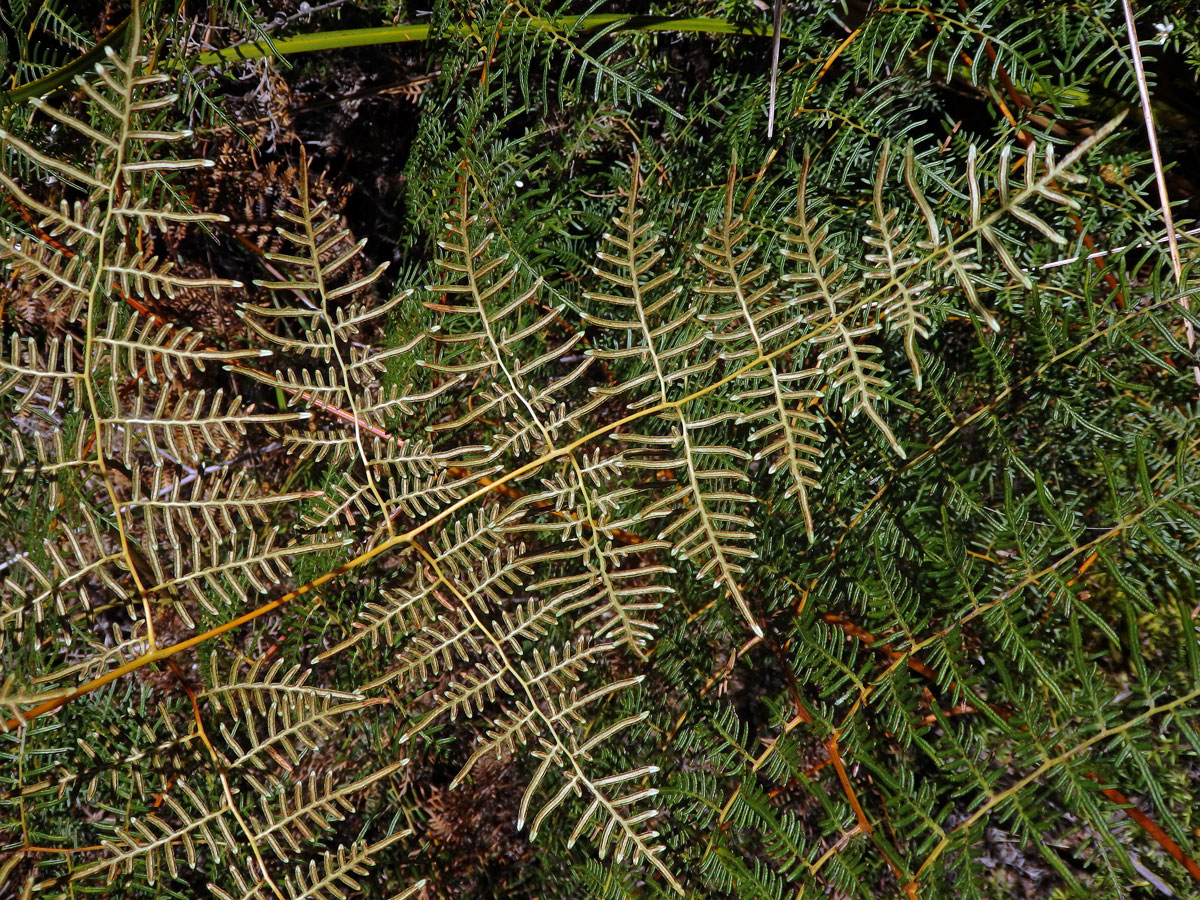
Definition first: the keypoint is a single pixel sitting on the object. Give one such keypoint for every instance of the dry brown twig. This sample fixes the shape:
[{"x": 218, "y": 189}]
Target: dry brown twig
[{"x": 1135, "y": 53}]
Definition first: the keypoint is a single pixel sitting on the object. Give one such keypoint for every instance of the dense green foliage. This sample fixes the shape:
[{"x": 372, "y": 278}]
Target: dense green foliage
[{"x": 489, "y": 465}]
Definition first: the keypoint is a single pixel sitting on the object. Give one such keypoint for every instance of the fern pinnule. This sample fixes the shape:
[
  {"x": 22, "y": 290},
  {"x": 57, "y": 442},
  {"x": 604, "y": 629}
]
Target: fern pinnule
[
  {"x": 1042, "y": 181},
  {"x": 703, "y": 515},
  {"x": 81, "y": 573},
  {"x": 381, "y": 622},
  {"x": 154, "y": 843},
  {"x": 890, "y": 262},
  {"x": 292, "y": 819},
  {"x": 491, "y": 315},
  {"x": 750, "y": 318},
  {"x": 340, "y": 871},
  {"x": 415, "y": 479},
  {"x": 216, "y": 515},
  {"x": 614, "y": 600},
  {"x": 254, "y": 691},
  {"x": 287, "y": 732},
  {"x": 830, "y": 296},
  {"x": 618, "y": 828},
  {"x": 438, "y": 644},
  {"x": 325, "y": 302},
  {"x": 36, "y": 374},
  {"x": 185, "y": 428}
]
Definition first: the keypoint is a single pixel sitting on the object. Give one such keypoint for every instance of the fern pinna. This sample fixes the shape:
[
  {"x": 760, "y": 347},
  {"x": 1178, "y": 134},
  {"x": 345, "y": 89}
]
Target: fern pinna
[{"x": 279, "y": 593}]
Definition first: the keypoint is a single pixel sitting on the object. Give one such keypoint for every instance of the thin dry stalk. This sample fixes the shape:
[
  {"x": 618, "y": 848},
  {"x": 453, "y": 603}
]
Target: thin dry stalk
[{"x": 1135, "y": 52}]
